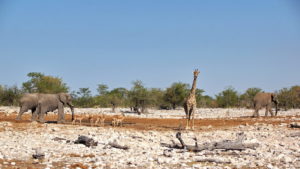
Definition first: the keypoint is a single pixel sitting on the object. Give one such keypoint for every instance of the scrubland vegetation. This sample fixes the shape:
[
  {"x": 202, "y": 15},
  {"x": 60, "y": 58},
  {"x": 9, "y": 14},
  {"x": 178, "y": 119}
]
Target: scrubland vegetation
[{"x": 139, "y": 96}]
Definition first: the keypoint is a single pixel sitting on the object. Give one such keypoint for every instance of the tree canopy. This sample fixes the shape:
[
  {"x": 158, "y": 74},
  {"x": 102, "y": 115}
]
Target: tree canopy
[
  {"x": 40, "y": 83},
  {"x": 139, "y": 97}
]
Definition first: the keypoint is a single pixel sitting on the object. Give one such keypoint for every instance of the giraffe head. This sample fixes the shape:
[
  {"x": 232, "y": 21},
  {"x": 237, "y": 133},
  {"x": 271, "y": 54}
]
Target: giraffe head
[{"x": 196, "y": 72}]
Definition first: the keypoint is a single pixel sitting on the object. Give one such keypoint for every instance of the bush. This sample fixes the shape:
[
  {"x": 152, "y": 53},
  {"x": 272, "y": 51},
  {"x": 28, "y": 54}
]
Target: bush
[
  {"x": 83, "y": 98},
  {"x": 289, "y": 97},
  {"x": 227, "y": 98},
  {"x": 9, "y": 96}
]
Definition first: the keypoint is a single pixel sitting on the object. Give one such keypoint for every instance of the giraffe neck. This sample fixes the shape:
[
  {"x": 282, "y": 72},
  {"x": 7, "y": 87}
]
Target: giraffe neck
[{"x": 193, "y": 89}]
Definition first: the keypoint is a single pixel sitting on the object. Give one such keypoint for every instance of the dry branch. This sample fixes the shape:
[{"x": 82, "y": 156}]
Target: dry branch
[
  {"x": 58, "y": 139},
  {"x": 295, "y": 134},
  {"x": 294, "y": 125},
  {"x": 210, "y": 160},
  {"x": 224, "y": 145},
  {"x": 116, "y": 145}
]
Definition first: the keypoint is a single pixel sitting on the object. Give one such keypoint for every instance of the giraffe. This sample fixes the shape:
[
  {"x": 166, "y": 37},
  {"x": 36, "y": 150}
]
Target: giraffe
[{"x": 190, "y": 103}]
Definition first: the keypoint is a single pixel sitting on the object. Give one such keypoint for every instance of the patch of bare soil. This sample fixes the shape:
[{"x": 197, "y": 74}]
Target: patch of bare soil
[
  {"x": 160, "y": 124},
  {"x": 15, "y": 164}
]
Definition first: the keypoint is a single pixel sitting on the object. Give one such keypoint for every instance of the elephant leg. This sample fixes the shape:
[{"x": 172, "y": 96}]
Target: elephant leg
[
  {"x": 267, "y": 110},
  {"x": 23, "y": 109},
  {"x": 34, "y": 114},
  {"x": 256, "y": 113},
  {"x": 42, "y": 117},
  {"x": 61, "y": 116},
  {"x": 270, "y": 110},
  {"x": 41, "y": 113}
]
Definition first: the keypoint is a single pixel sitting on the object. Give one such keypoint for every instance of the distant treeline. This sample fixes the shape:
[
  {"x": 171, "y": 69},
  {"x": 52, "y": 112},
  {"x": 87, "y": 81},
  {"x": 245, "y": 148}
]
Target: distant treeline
[{"x": 141, "y": 97}]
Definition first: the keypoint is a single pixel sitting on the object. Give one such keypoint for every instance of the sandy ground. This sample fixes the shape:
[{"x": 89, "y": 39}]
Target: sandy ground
[{"x": 144, "y": 134}]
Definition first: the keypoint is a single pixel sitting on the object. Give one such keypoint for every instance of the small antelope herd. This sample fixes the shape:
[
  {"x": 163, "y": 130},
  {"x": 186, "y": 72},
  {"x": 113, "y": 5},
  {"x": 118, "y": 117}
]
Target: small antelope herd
[{"x": 95, "y": 120}]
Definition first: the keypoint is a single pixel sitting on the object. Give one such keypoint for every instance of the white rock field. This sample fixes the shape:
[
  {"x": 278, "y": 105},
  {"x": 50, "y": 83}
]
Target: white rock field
[{"x": 279, "y": 145}]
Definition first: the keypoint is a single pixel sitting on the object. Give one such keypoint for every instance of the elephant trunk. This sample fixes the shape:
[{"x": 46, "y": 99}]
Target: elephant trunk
[
  {"x": 72, "y": 110},
  {"x": 276, "y": 108}
]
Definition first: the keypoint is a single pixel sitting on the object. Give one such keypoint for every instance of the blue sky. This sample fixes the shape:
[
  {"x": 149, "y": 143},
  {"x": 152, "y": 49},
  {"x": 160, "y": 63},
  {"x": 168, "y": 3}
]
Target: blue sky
[{"x": 235, "y": 43}]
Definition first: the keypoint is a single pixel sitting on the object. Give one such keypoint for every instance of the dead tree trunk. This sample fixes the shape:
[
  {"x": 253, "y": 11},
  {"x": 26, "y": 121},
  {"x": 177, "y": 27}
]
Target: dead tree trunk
[{"x": 224, "y": 145}]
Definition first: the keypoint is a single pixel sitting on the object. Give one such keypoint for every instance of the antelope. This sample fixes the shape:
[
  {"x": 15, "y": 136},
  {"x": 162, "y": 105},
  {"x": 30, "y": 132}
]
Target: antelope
[
  {"x": 98, "y": 119},
  {"x": 118, "y": 120}
]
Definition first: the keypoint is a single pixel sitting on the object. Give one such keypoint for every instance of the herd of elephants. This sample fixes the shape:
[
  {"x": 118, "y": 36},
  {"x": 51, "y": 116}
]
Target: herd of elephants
[{"x": 40, "y": 104}]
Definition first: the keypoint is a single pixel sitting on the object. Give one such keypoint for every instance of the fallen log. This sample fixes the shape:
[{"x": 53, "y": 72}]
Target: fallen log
[
  {"x": 58, "y": 139},
  {"x": 295, "y": 134},
  {"x": 116, "y": 145},
  {"x": 211, "y": 160},
  {"x": 224, "y": 145}
]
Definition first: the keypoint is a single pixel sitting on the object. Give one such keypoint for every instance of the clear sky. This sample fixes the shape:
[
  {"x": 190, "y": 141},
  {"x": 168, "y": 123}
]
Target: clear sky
[{"x": 249, "y": 43}]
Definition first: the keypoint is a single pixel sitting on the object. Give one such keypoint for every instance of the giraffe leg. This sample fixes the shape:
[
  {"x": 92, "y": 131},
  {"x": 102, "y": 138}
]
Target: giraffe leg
[
  {"x": 192, "y": 114},
  {"x": 187, "y": 124},
  {"x": 187, "y": 119},
  {"x": 193, "y": 121}
]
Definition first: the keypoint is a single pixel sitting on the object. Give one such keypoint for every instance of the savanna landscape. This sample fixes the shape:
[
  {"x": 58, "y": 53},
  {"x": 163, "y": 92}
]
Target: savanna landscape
[
  {"x": 145, "y": 134},
  {"x": 149, "y": 84}
]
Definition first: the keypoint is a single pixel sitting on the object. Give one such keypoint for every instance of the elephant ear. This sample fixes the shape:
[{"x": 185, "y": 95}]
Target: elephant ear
[
  {"x": 274, "y": 97},
  {"x": 62, "y": 97}
]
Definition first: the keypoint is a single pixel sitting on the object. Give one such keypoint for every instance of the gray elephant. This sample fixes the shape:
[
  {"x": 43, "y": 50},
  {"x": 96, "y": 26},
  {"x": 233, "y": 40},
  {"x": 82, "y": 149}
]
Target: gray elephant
[
  {"x": 51, "y": 102},
  {"x": 27, "y": 102},
  {"x": 262, "y": 100}
]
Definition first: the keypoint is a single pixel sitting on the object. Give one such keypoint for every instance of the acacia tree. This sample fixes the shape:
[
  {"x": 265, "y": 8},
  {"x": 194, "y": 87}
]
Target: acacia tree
[
  {"x": 227, "y": 98},
  {"x": 39, "y": 83},
  {"x": 138, "y": 96},
  {"x": 176, "y": 94},
  {"x": 117, "y": 97},
  {"x": 102, "y": 89}
]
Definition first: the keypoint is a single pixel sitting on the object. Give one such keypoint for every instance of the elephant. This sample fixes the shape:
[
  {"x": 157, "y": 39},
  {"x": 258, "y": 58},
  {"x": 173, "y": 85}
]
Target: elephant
[
  {"x": 29, "y": 101},
  {"x": 261, "y": 100},
  {"x": 51, "y": 102}
]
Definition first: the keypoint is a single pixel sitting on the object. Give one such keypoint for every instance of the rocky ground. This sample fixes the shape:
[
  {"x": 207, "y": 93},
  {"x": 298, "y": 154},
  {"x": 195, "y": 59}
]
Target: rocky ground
[{"x": 279, "y": 145}]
